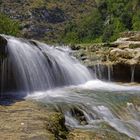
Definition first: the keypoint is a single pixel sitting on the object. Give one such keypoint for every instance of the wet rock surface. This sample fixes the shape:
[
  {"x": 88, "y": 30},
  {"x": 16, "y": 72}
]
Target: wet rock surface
[
  {"x": 27, "y": 120},
  {"x": 7, "y": 80},
  {"x": 3, "y": 49}
]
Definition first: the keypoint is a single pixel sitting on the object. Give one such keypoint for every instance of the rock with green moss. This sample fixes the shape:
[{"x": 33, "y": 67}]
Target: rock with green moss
[{"x": 78, "y": 134}]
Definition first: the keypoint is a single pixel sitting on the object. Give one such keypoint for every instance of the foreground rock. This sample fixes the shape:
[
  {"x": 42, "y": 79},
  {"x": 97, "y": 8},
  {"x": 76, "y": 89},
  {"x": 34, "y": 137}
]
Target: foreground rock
[
  {"x": 3, "y": 49},
  {"x": 26, "y": 120}
]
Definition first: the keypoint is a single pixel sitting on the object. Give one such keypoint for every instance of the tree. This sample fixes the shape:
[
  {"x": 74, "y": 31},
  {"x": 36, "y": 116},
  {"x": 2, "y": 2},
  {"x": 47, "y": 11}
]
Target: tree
[
  {"x": 136, "y": 21},
  {"x": 126, "y": 19},
  {"x": 108, "y": 33}
]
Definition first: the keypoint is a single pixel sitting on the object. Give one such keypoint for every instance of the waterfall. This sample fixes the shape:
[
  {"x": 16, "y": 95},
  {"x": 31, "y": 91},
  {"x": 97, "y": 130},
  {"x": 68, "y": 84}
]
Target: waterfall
[
  {"x": 37, "y": 66},
  {"x": 47, "y": 71}
]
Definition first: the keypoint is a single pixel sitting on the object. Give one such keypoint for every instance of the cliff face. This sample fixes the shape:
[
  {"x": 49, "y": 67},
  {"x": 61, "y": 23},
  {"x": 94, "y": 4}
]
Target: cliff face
[
  {"x": 73, "y": 21},
  {"x": 45, "y": 19}
]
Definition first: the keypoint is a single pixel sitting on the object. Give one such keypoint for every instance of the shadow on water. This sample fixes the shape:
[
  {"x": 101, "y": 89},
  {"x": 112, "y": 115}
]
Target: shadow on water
[{"x": 9, "y": 99}]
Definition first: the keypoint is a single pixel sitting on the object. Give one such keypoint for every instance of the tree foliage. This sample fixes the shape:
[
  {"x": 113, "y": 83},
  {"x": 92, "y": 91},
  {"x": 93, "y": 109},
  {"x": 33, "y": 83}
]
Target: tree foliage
[{"x": 105, "y": 22}]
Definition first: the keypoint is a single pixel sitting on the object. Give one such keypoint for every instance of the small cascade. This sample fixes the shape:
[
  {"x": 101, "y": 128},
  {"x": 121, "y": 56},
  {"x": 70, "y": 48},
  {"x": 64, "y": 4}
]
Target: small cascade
[
  {"x": 109, "y": 69},
  {"x": 98, "y": 70},
  {"x": 132, "y": 73},
  {"x": 109, "y": 72}
]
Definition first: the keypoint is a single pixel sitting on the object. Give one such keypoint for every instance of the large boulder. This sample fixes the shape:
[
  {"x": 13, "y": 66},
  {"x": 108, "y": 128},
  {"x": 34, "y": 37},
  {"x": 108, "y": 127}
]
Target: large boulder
[
  {"x": 3, "y": 49},
  {"x": 7, "y": 80},
  {"x": 102, "y": 134}
]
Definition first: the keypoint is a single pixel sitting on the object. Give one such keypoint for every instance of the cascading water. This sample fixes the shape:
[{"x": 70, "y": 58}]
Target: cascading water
[
  {"x": 89, "y": 105},
  {"x": 86, "y": 103},
  {"x": 38, "y": 66}
]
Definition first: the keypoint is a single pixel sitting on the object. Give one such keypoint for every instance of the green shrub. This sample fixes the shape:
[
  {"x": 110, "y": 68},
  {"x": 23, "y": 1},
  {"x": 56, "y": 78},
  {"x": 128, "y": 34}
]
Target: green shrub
[
  {"x": 8, "y": 26},
  {"x": 105, "y": 22},
  {"x": 88, "y": 29},
  {"x": 136, "y": 21}
]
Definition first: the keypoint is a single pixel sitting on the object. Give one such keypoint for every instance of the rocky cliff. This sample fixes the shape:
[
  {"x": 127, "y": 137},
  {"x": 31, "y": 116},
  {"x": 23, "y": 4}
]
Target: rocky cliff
[
  {"x": 117, "y": 61},
  {"x": 45, "y": 19}
]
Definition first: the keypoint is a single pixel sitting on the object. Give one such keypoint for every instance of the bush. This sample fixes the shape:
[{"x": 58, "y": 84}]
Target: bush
[
  {"x": 89, "y": 28},
  {"x": 105, "y": 22},
  {"x": 136, "y": 21},
  {"x": 126, "y": 19},
  {"x": 8, "y": 26}
]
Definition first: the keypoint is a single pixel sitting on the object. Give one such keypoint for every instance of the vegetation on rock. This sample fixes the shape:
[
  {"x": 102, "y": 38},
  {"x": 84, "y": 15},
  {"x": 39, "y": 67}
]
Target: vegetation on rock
[
  {"x": 75, "y": 21},
  {"x": 105, "y": 22},
  {"x": 8, "y": 26}
]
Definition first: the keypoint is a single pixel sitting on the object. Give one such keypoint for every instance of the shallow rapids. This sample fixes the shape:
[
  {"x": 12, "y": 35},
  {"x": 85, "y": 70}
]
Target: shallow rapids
[{"x": 88, "y": 105}]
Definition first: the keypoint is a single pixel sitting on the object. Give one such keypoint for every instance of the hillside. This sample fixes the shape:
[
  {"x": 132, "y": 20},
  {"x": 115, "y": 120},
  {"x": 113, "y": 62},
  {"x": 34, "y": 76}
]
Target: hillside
[
  {"x": 45, "y": 19},
  {"x": 73, "y": 21}
]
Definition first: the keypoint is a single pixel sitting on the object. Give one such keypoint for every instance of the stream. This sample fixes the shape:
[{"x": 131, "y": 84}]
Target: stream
[{"x": 52, "y": 76}]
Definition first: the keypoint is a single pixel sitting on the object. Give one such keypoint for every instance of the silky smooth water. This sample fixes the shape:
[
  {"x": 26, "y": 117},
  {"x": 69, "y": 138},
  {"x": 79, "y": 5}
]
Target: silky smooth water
[{"x": 37, "y": 66}]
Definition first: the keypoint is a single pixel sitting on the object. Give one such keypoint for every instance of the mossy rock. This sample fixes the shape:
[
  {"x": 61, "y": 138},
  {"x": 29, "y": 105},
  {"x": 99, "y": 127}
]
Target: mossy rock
[
  {"x": 56, "y": 125},
  {"x": 96, "y": 135},
  {"x": 133, "y": 46}
]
